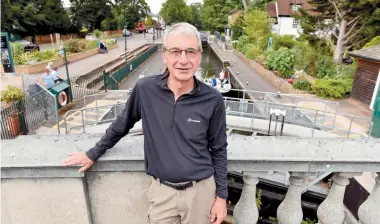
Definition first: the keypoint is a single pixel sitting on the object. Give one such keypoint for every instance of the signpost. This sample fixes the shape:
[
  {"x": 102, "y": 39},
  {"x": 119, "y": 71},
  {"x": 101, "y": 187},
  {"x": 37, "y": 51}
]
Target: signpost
[
  {"x": 125, "y": 39},
  {"x": 6, "y": 54}
]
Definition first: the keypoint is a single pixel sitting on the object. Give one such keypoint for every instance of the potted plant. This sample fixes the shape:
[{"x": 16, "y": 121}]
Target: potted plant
[{"x": 13, "y": 95}]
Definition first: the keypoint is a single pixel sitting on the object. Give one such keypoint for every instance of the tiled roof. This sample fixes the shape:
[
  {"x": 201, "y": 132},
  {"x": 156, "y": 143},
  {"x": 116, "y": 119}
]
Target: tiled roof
[
  {"x": 371, "y": 53},
  {"x": 272, "y": 9},
  {"x": 285, "y": 7}
]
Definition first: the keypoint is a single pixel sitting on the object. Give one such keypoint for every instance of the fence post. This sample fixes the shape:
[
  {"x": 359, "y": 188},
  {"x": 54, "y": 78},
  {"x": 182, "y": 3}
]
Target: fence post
[
  {"x": 21, "y": 116},
  {"x": 56, "y": 114},
  {"x": 105, "y": 80}
]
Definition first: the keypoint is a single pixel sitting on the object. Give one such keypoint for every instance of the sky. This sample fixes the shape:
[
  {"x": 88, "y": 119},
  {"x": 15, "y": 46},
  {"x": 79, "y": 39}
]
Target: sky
[{"x": 155, "y": 5}]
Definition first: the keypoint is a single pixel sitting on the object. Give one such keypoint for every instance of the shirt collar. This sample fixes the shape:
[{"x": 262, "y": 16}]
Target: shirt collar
[{"x": 163, "y": 83}]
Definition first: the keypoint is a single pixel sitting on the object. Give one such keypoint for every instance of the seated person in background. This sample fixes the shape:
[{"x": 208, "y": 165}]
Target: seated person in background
[
  {"x": 213, "y": 80},
  {"x": 57, "y": 78},
  {"x": 48, "y": 78},
  {"x": 103, "y": 48}
]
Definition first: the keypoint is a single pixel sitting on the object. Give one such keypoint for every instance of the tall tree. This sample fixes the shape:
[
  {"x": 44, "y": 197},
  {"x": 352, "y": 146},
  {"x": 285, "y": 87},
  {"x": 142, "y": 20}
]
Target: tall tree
[
  {"x": 125, "y": 13},
  {"x": 195, "y": 19},
  {"x": 90, "y": 13},
  {"x": 34, "y": 17},
  {"x": 174, "y": 11},
  {"x": 214, "y": 13},
  {"x": 133, "y": 11},
  {"x": 342, "y": 23}
]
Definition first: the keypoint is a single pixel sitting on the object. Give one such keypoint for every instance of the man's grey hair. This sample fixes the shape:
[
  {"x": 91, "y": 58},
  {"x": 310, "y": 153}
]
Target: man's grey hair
[{"x": 182, "y": 28}]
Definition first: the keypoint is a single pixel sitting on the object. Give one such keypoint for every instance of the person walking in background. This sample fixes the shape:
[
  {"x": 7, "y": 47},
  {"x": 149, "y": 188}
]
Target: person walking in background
[
  {"x": 48, "y": 79},
  {"x": 186, "y": 150}
]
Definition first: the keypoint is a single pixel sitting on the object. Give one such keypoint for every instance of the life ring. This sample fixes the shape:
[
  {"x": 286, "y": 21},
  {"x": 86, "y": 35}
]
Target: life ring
[{"x": 62, "y": 98}]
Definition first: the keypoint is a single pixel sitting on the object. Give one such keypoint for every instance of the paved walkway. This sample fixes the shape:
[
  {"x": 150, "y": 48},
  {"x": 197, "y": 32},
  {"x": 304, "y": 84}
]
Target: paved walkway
[
  {"x": 83, "y": 66},
  {"x": 246, "y": 74}
]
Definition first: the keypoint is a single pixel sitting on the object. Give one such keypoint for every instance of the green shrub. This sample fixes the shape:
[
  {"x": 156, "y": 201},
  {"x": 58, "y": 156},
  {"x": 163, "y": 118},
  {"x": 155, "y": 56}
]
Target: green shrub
[
  {"x": 11, "y": 94},
  {"x": 343, "y": 71},
  {"x": 21, "y": 59},
  {"x": 283, "y": 41},
  {"x": 304, "y": 55},
  {"x": 110, "y": 41},
  {"x": 243, "y": 40},
  {"x": 332, "y": 88},
  {"x": 75, "y": 45},
  {"x": 282, "y": 60},
  {"x": 237, "y": 28},
  {"x": 44, "y": 55},
  {"x": 92, "y": 44},
  {"x": 17, "y": 48},
  {"x": 98, "y": 33},
  {"x": 302, "y": 85},
  {"x": 325, "y": 67},
  {"x": 253, "y": 51},
  {"x": 83, "y": 30},
  {"x": 373, "y": 42}
]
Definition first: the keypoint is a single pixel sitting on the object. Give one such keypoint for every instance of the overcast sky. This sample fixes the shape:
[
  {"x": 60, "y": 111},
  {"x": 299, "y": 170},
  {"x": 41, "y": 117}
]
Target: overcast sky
[{"x": 155, "y": 5}]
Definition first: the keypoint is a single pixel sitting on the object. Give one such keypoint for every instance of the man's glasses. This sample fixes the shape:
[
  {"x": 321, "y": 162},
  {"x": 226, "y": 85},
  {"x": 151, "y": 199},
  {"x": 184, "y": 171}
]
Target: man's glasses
[{"x": 176, "y": 53}]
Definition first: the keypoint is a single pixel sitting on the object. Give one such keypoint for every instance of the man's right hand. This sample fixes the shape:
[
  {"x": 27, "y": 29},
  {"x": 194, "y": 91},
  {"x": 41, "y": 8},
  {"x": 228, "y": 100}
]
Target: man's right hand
[{"x": 78, "y": 158}]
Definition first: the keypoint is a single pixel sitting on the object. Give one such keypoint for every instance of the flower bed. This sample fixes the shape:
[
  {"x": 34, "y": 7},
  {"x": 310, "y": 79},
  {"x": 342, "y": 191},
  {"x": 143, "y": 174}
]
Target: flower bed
[{"x": 40, "y": 66}]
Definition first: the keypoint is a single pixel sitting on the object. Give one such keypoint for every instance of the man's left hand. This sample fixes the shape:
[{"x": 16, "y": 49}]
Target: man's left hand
[{"x": 218, "y": 211}]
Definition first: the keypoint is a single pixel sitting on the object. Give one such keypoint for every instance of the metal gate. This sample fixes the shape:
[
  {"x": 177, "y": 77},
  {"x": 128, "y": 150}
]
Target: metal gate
[{"x": 40, "y": 104}]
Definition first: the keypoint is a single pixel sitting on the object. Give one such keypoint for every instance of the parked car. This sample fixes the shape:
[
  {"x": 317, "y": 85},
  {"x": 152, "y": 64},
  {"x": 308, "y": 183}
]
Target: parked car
[
  {"x": 28, "y": 46},
  {"x": 90, "y": 36},
  {"x": 127, "y": 33}
]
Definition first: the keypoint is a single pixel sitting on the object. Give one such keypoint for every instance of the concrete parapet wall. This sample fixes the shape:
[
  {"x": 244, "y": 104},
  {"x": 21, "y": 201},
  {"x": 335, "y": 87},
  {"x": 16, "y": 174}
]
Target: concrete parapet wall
[
  {"x": 36, "y": 188},
  {"x": 43, "y": 200}
]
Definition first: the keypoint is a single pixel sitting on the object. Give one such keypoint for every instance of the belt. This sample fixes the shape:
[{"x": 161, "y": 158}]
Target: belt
[{"x": 180, "y": 187}]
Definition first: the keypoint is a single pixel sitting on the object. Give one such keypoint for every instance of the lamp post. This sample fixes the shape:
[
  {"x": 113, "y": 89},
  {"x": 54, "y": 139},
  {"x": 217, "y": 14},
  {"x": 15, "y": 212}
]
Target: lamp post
[
  {"x": 62, "y": 51},
  {"x": 125, "y": 39}
]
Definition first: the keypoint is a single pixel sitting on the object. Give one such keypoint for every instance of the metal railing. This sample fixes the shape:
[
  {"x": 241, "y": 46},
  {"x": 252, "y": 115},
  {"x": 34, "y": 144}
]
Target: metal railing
[
  {"x": 98, "y": 108},
  {"x": 297, "y": 115},
  {"x": 255, "y": 110}
]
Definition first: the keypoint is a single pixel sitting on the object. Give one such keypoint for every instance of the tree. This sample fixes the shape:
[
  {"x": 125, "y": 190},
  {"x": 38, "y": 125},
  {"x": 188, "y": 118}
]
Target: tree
[
  {"x": 195, "y": 19},
  {"x": 90, "y": 13},
  {"x": 149, "y": 21},
  {"x": 342, "y": 23},
  {"x": 125, "y": 13},
  {"x": 257, "y": 27},
  {"x": 214, "y": 13},
  {"x": 34, "y": 17},
  {"x": 174, "y": 11},
  {"x": 133, "y": 11}
]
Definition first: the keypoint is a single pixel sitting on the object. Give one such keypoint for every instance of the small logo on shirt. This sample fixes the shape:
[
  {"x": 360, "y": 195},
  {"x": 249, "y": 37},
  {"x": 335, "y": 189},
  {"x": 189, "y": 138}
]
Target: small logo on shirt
[{"x": 191, "y": 120}]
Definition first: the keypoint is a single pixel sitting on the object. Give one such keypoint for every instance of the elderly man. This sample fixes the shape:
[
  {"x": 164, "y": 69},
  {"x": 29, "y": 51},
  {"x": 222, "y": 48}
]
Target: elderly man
[{"x": 185, "y": 150}]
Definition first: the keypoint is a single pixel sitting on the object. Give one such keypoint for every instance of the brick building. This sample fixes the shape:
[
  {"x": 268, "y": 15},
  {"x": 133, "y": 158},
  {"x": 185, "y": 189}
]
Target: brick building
[{"x": 367, "y": 75}]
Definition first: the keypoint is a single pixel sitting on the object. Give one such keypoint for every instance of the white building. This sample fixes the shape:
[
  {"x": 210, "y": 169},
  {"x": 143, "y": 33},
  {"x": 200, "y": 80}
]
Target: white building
[{"x": 282, "y": 12}]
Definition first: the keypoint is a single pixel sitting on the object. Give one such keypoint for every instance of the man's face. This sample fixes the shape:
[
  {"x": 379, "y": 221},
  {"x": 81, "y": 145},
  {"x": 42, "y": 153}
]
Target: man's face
[{"x": 182, "y": 67}]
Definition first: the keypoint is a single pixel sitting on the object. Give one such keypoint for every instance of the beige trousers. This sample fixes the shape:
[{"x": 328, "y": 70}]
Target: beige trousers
[{"x": 190, "y": 206}]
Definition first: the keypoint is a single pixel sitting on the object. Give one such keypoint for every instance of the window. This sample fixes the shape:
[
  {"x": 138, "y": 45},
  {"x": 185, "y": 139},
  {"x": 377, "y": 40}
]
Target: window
[
  {"x": 296, "y": 7},
  {"x": 296, "y": 23}
]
